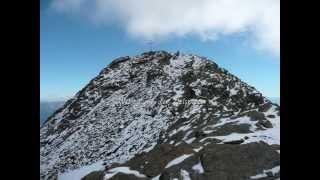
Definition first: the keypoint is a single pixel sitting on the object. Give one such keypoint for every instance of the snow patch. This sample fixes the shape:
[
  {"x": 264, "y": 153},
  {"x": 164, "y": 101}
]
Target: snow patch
[
  {"x": 233, "y": 92},
  {"x": 125, "y": 170},
  {"x": 198, "y": 168},
  {"x": 81, "y": 172},
  {"x": 178, "y": 160},
  {"x": 198, "y": 149},
  {"x": 189, "y": 141},
  {"x": 269, "y": 136},
  {"x": 150, "y": 148},
  {"x": 185, "y": 175},
  {"x": 156, "y": 178}
]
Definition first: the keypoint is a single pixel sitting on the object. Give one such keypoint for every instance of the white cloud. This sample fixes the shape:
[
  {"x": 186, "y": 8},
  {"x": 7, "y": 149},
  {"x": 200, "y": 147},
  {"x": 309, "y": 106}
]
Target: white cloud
[{"x": 209, "y": 19}]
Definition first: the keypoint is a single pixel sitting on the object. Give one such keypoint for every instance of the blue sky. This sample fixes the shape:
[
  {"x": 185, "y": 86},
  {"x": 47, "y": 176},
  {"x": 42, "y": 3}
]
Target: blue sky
[{"x": 73, "y": 50}]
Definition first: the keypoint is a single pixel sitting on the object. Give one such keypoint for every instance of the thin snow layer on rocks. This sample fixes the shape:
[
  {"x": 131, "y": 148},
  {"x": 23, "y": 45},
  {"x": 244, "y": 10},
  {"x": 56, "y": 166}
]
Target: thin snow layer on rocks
[
  {"x": 264, "y": 174},
  {"x": 126, "y": 170},
  {"x": 269, "y": 135},
  {"x": 80, "y": 172},
  {"x": 178, "y": 160},
  {"x": 97, "y": 134},
  {"x": 135, "y": 103},
  {"x": 182, "y": 128},
  {"x": 241, "y": 120}
]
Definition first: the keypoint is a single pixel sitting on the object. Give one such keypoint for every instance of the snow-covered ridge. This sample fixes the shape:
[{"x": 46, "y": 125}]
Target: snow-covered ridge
[{"x": 137, "y": 103}]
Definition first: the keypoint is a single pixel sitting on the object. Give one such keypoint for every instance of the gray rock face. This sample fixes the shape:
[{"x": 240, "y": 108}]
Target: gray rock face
[
  {"x": 238, "y": 162},
  {"x": 150, "y": 111}
]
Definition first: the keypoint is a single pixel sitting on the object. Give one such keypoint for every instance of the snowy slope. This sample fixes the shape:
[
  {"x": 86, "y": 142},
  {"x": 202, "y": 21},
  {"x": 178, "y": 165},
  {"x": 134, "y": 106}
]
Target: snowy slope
[{"x": 138, "y": 104}]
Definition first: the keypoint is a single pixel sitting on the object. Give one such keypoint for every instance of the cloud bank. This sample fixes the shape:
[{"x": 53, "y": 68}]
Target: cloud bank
[{"x": 208, "y": 19}]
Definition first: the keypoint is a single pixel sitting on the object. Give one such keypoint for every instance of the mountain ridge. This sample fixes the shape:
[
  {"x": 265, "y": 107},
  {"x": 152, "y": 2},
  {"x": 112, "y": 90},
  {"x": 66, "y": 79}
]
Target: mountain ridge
[{"x": 155, "y": 103}]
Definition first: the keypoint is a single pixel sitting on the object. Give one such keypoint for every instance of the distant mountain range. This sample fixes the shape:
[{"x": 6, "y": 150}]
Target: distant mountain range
[
  {"x": 47, "y": 108},
  {"x": 275, "y": 100}
]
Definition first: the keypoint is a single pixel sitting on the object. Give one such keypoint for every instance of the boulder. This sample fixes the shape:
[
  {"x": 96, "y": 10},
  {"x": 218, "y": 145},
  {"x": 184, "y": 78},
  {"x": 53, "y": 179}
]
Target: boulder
[
  {"x": 265, "y": 124},
  {"x": 271, "y": 116},
  {"x": 256, "y": 116},
  {"x": 237, "y": 162},
  {"x": 234, "y": 142},
  {"x": 265, "y": 107}
]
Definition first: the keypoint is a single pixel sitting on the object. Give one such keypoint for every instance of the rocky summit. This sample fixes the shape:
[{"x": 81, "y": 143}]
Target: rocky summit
[{"x": 163, "y": 116}]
